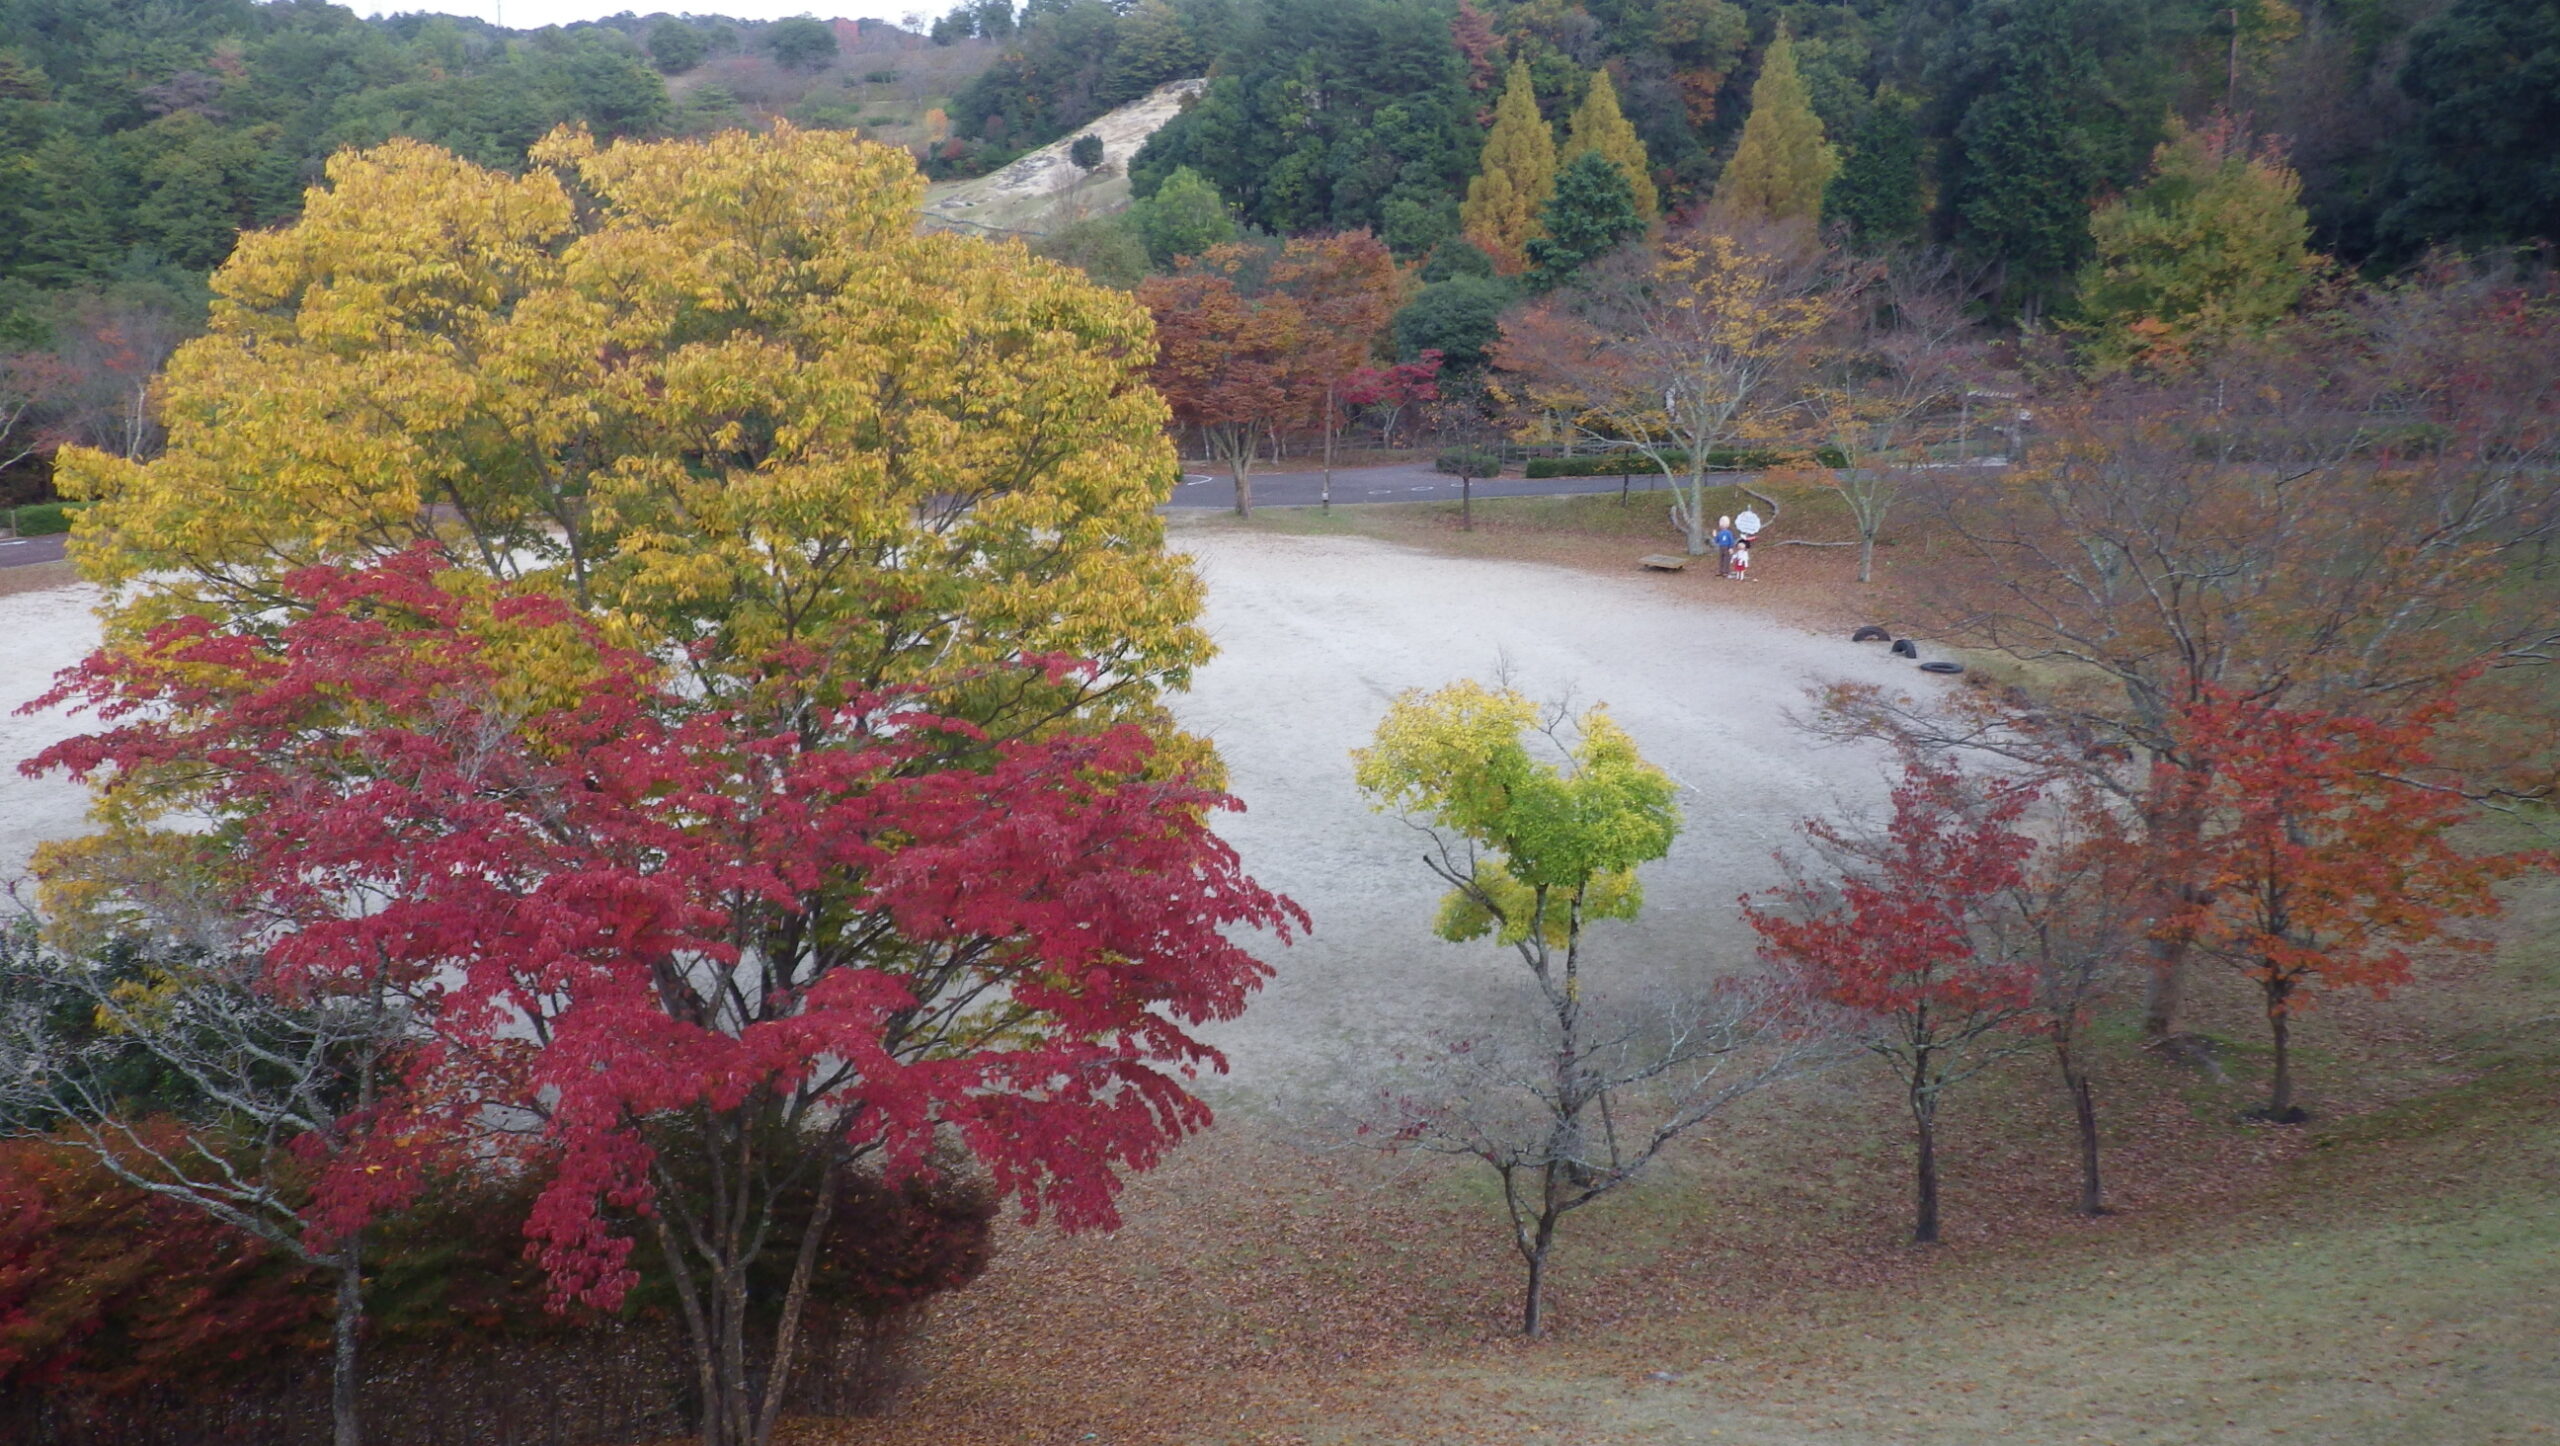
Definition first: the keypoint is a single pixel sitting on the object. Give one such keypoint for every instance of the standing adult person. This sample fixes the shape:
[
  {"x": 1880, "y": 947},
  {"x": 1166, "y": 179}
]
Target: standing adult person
[{"x": 1724, "y": 538}]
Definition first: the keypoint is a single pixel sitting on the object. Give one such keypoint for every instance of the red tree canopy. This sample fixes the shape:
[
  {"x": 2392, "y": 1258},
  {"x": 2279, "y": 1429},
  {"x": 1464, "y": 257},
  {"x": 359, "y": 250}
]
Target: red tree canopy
[{"x": 611, "y": 902}]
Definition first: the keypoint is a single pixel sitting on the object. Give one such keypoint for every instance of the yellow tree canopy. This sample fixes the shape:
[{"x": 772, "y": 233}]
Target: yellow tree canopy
[
  {"x": 1598, "y": 125},
  {"x": 719, "y": 392},
  {"x": 2214, "y": 246},
  {"x": 1514, "y": 179},
  {"x": 1782, "y": 163}
]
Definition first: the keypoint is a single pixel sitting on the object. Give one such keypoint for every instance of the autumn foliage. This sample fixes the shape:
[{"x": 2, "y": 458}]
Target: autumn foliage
[{"x": 615, "y": 909}]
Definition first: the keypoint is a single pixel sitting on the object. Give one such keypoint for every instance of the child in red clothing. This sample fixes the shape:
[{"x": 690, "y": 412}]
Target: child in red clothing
[{"x": 1741, "y": 563}]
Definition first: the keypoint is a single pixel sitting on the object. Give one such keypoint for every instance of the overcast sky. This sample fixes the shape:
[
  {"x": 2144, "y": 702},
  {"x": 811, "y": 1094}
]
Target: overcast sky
[{"x": 534, "y": 14}]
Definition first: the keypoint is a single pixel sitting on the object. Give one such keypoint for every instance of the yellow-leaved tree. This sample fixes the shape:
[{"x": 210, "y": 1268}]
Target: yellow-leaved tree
[
  {"x": 1782, "y": 163},
  {"x": 717, "y": 392},
  {"x": 1598, "y": 125},
  {"x": 1514, "y": 179}
]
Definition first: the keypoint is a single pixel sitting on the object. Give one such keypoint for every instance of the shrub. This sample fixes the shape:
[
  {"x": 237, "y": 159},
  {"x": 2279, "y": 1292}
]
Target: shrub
[
  {"x": 1469, "y": 462},
  {"x": 1722, "y": 459},
  {"x": 44, "y": 519},
  {"x": 1087, "y": 151}
]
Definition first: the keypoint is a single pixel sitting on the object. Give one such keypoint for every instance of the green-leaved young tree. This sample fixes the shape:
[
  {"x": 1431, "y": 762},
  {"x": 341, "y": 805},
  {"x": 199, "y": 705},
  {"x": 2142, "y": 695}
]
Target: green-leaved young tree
[
  {"x": 1537, "y": 823},
  {"x": 1598, "y": 125}
]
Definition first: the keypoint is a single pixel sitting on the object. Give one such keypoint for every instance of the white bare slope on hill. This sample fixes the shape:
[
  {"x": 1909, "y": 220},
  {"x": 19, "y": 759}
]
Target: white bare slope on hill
[{"x": 1045, "y": 191}]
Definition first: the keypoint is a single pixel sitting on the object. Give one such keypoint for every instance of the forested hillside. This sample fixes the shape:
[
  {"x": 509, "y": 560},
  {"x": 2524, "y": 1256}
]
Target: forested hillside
[
  {"x": 1989, "y": 124},
  {"x": 136, "y": 140}
]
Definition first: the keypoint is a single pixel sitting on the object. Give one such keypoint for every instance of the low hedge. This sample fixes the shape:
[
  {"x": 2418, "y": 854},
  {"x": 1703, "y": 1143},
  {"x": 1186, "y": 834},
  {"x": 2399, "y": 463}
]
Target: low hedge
[
  {"x": 1467, "y": 463},
  {"x": 43, "y": 519},
  {"x": 1722, "y": 459}
]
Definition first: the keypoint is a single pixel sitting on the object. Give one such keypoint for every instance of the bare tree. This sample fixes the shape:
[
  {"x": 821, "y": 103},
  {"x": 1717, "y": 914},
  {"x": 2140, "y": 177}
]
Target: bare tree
[
  {"x": 267, "y": 1093},
  {"x": 1898, "y": 354},
  {"x": 2341, "y": 521},
  {"x": 1678, "y": 354}
]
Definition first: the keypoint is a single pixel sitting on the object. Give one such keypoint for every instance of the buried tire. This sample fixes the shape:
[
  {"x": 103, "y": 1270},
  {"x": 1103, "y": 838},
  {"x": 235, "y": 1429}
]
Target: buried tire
[{"x": 1939, "y": 665}]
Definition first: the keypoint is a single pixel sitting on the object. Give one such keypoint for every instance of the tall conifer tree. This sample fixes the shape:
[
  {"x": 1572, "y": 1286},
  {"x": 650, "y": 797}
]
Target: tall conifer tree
[
  {"x": 1878, "y": 189},
  {"x": 1598, "y": 125},
  {"x": 1515, "y": 178},
  {"x": 1783, "y": 163}
]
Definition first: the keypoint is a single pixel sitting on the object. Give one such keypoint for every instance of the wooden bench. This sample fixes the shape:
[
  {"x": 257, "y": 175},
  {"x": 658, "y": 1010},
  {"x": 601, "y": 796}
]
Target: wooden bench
[{"x": 1664, "y": 561}]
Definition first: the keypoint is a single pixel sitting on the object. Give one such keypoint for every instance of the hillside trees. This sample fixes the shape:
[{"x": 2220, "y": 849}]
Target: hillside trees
[
  {"x": 1185, "y": 217},
  {"x": 1515, "y": 177},
  {"x": 1782, "y": 164},
  {"x": 1877, "y": 193},
  {"x": 1590, "y": 215},
  {"x": 2470, "y": 168}
]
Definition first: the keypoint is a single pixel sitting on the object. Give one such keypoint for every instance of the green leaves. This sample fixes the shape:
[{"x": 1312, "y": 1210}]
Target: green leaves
[{"x": 1578, "y": 828}]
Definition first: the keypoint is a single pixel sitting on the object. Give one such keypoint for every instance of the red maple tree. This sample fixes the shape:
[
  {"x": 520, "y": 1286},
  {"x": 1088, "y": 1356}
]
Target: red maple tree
[
  {"x": 701, "y": 956},
  {"x": 1893, "y": 942}
]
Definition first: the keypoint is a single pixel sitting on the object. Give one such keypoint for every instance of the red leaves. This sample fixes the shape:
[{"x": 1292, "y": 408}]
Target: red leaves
[
  {"x": 2324, "y": 852},
  {"x": 611, "y": 901},
  {"x": 1897, "y": 940}
]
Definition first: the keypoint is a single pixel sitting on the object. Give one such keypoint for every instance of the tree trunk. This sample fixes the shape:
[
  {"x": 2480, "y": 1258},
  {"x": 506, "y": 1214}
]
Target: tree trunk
[
  {"x": 1867, "y": 557},
  {"x": 1241, "y": 468},
  {"x": 795, "y": 1303},
  {"x": 2279, "y": 1021},
  {"x": 346, "y": 1427},
  {"x": 1466, "y": 503},
  {"x": 1533, "y": 1313},
  {"x": 1695, "y": 503},
  {"x": 1924, "y": 1120},
  {"x": 2084, "y": 1106},
  {"x": 1324, "y": 499}
]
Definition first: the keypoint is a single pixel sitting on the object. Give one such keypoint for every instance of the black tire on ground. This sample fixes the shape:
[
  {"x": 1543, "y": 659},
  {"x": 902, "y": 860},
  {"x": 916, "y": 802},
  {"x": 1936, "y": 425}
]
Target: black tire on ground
[
  {"x": 1940, "y": 665},
  {"x": 1905, "y": 648},
  {"x": 1871, "y": 634}
]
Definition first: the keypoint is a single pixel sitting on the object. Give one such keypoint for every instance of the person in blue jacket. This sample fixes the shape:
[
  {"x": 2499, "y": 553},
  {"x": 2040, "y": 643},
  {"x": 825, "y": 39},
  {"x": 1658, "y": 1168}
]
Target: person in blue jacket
[{"x": 1725, "y": 537}]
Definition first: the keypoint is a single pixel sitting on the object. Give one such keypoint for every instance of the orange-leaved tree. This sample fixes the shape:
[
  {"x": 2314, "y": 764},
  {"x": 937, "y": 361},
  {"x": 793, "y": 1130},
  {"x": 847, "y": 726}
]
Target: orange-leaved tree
[
  {"x": 1249, "y": 343},
  {"x": 2325, "y": 855}
]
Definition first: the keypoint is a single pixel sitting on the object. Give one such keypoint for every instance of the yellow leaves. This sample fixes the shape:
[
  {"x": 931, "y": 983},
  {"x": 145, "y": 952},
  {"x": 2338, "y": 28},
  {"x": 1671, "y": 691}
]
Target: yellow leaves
[{"x": 708, "y": 385}]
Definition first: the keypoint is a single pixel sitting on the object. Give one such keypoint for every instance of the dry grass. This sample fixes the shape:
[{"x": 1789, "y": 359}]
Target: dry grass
[
  {"x": 36, "y": 577},
  {"x": 2389, "y": 1274}
]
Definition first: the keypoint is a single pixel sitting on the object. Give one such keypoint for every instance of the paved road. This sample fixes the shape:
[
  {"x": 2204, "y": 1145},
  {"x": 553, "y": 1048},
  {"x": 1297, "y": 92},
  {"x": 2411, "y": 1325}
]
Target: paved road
[
  {"x": 19, "y": 551},
  {"x": 1376, "y": 484}
]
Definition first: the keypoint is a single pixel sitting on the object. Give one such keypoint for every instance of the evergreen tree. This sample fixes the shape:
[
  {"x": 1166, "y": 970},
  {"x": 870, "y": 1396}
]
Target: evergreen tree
[
  {"x": 1593, "y": 210},
  {"x": 1152, "y": 47},
  {"x": 1783, "y": 163},
  {"x": 1185, "y": 217},
  {"x": 2027, "y": 166},
  {"x": 1877, "y": 193},
  {"x": 1598, "y": 125},
  {"x": 2478, "y": 163},
  {"x": 1515, "y": 179},
  {"x": 2214, "y": 245}
]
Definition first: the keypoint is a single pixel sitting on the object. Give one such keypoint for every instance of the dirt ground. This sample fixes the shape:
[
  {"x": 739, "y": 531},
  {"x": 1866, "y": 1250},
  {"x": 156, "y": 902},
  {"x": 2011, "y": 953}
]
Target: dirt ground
[
  {"x": 42, "y": 631},
  {"x": 1318, "y": 633}
]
